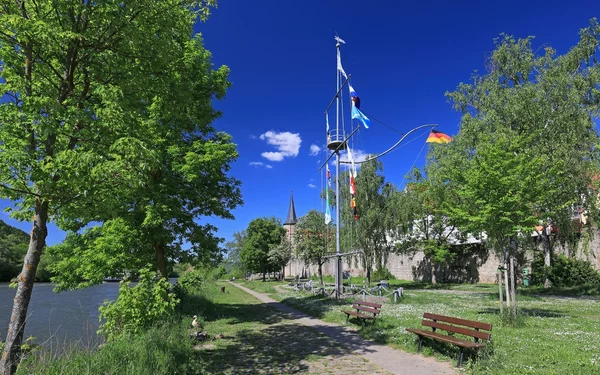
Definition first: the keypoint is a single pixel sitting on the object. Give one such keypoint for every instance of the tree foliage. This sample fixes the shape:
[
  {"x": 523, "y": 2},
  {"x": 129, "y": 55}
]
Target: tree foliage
[
  {"x": 527, "y": 145},
  {"x": 420, "y": 223},
  {"x": 91, "y": 117},
  {"x": 314, "y": 239},
  {"x": 369, "y": 233},
  {"x": 263, "y": 234}
]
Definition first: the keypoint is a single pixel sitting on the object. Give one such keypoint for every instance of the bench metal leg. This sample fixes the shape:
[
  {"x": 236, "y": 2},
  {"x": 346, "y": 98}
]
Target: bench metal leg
[
  {"x": 460, "y": 356},
  {"x": 420, "y": 342}
]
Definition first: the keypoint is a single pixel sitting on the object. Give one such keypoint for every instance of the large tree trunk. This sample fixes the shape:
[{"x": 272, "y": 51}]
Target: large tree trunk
[
  {"x": 264, "y": 276},
  {"x": 433, "y": 280},
  {"x": 16, "y": 326},
  {"x": 161, "y": 260},
  {"x": 369, "y": 276}
]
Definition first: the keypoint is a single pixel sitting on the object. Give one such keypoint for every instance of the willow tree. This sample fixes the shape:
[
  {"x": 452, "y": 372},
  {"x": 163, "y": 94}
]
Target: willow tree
[
  {"x": 370, "y": 232},
  {"x": 527, "y": 145},
  {"x": 77, "y": 131}
]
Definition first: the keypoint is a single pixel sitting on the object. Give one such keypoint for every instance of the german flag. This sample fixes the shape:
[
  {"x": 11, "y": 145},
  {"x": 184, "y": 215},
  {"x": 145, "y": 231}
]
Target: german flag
[{"x": 438, "y": 137}]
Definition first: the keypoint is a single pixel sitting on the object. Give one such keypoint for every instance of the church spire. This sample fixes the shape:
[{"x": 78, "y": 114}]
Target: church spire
[{"x": 291, "y": 216}]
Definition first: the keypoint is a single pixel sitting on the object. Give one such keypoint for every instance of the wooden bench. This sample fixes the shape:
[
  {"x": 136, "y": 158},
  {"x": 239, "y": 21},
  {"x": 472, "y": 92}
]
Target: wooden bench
[
  {"x": 452, "y": 325},
  {"x": 364, "y": 310}
]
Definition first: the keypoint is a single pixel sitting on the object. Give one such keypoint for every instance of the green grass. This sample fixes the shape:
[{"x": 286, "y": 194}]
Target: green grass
[
  {"x": 555, "y": 335},
  {"x": 254, "y": 338},
  {"x": 164, "y": 349}
]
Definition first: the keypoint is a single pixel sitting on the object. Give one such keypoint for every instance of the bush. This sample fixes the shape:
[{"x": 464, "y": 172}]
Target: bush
[
  {"x": 382, "y": 274},
  {"x": 161, "y": 350},
  {"x": 192, "y": 280},
  {"x": 564, "y": 271},
  {"x": 139, "y": 307}
]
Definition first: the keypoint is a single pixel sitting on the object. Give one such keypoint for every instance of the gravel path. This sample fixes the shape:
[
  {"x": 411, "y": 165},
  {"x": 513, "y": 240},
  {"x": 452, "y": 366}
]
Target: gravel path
[{"x": 355, "y": 355}]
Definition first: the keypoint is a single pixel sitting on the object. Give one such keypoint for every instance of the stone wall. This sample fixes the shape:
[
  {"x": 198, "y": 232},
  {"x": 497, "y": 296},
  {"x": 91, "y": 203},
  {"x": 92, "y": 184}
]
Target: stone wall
[{"x": 480, "y": 267}]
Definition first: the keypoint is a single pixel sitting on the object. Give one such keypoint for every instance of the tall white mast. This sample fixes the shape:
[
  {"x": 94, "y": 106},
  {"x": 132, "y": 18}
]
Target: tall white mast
[{"x": 338, "y": 267}]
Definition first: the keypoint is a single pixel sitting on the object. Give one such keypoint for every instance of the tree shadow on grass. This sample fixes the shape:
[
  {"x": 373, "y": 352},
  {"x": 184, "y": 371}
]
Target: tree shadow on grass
[
  {"x": 316, "y": 306},
  {"x": 527, "y": 312},
  {"x": 282, "y": 348},
  {"x": 236, "y": 313}
]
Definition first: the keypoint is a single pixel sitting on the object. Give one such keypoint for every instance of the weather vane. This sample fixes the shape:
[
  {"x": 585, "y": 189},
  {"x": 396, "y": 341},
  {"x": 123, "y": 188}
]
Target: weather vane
[{"x": 339, "y": 40}]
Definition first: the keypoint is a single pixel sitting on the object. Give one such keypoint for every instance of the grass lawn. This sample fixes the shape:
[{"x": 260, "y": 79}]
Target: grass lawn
[{"x": 555, "y": 334}]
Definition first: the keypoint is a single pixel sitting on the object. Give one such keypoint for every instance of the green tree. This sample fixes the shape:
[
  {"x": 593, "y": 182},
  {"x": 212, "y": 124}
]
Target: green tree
[
  {"x": 420, "y": 223},
  {"x": 527, "y": 144},
  {"x": 369, "y": 233},
  {"x": 314, "y": 239},
  {"x": 281, "y": 254},
  {"x": 262, "y": 235},
  {"x": 233, "y": 249},
  {"x": 78, "y": 84}
]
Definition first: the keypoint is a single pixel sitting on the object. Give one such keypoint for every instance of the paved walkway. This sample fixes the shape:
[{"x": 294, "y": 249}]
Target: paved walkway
[{"x": 390, "y": 360}]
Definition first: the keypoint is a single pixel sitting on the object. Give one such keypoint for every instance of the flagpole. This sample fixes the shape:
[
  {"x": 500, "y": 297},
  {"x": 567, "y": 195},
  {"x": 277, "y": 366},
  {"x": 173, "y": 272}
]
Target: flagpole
[{"x": 338, "y": 266}]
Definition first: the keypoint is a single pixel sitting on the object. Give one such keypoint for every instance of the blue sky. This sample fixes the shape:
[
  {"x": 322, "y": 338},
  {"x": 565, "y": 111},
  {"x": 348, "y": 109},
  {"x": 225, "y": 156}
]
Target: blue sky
[{"x": 403, "y": 56}]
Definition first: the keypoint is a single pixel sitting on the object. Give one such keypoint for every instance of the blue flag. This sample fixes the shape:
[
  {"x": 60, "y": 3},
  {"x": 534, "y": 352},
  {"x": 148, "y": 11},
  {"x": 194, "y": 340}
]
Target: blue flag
[{"x": 357, "y": 114}]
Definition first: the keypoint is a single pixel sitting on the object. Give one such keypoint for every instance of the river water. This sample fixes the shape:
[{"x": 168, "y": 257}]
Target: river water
[{"x": 59, "y": 319}]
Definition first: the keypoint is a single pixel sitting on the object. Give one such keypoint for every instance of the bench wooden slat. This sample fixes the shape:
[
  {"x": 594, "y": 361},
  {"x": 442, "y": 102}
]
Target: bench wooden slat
[
  {"x": 370, "y": 304},
  {"x": 359, "y": 315},
  {"x": 366, "y": 309},
  {"x": 456, "y": 329},
  {"x": 462, "y": 322},
  {"x": 445, "y": 338}
]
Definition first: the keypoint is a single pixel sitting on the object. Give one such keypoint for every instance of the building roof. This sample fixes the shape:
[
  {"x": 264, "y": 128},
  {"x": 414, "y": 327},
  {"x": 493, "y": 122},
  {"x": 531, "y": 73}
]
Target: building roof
[{"x": 291, "y": 216}]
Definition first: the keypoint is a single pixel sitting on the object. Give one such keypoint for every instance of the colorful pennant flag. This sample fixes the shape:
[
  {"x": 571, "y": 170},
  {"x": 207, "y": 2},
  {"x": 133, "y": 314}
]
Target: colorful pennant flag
[
  {"x": 353, "y": 185},
  {"x": 327, "y": 208},
  {"x": 438, "y": 137},
  {"x": 354, "y": 97},
  {"x": 358, "y": 115}
]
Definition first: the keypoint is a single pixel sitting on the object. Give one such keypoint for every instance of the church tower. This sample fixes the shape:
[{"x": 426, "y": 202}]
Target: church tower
[{"x": 290, "y": 221}]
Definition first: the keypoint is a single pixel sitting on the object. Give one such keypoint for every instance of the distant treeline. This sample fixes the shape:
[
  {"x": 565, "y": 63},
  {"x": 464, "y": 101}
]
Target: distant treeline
[{"x": 13, "y": 246}]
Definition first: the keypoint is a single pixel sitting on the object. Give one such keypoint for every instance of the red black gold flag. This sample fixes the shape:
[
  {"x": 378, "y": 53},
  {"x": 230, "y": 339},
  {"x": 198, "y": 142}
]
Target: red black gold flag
[{"x": 438, "y": 137}]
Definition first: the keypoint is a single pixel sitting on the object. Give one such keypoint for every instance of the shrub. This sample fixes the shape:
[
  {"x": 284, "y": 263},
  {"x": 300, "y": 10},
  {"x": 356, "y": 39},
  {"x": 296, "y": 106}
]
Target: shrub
[
  {"x": 139, "y": 307},
  {"x": 191, "y": 280},
  {"x": 161, "y": 350},
  {"x": 383, "y": 274},
  {"x": 564, "y": 271}
]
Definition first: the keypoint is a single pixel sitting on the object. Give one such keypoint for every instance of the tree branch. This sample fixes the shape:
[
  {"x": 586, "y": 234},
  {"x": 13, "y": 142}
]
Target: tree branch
[{"x": 19, "y": 190}]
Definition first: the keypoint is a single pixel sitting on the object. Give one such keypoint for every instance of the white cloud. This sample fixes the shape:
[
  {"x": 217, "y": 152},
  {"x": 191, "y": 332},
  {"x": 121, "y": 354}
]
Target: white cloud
[
  {"x": 312, "y": 186},
  {"x": 287, "y": 145},
  {"x": 314, "y": 150},
  {"x": 357, "y": 155},
  {"x": 272, "y": 156},
  {"x": 260, "y": 164}
]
